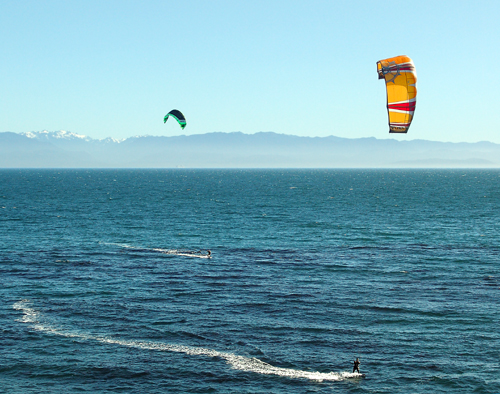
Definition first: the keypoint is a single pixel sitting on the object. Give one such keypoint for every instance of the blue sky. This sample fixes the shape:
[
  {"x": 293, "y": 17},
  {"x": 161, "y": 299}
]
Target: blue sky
[{"x": 308, "y": 68}]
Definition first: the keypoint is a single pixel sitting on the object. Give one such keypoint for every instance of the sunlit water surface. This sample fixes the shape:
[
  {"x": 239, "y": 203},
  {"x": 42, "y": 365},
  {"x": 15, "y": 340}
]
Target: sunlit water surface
[{"x": 106, "y": 284}]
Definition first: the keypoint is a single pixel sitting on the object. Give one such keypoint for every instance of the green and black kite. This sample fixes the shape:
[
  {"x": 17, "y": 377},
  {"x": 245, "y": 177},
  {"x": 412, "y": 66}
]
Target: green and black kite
[{"x": 178, "y": 116}]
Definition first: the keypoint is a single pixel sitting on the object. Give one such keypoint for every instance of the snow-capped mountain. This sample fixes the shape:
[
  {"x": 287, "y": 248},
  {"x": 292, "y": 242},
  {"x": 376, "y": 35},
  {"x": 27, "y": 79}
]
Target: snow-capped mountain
[
  {"x": 69, "y": 140},
  {"x": 57, "y": 135}
]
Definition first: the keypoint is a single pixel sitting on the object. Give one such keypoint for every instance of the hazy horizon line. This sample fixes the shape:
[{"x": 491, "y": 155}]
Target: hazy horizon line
[{"x": 44, "y": 131}]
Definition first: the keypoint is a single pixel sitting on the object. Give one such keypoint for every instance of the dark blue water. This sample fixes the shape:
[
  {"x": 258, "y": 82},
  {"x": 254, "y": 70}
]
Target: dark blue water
[{"x": 106, "y": 287}]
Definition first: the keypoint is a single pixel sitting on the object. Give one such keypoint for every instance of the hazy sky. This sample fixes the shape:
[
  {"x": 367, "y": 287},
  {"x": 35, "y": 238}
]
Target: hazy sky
[{"x": 115, "y": 68}]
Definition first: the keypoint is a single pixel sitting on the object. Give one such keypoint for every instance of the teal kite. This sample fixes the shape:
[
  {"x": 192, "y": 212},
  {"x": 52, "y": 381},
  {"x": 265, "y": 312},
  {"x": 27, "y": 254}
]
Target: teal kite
[{"x": 178, "y": 116}]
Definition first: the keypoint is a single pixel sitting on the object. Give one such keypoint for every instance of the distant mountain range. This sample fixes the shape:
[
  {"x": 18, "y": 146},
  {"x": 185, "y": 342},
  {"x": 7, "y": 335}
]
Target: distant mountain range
[{"x": 62, "y": 149}]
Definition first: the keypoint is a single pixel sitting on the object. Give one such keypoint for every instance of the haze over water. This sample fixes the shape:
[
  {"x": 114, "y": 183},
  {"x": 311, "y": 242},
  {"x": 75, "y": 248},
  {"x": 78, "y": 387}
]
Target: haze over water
[{"x": 107, "y": 288}]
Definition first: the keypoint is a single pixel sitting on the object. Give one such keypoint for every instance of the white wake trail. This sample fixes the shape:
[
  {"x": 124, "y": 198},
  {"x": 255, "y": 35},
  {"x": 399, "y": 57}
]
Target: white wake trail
[
  {"x": 241, "y": 363},
  {"x": 175, "y": 252}
]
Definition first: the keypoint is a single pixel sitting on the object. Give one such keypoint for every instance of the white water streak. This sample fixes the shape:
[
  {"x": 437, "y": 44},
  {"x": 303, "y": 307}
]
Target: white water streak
[
  {"x": 241, "y": 363},
  {"x": 175, "y": 252}
]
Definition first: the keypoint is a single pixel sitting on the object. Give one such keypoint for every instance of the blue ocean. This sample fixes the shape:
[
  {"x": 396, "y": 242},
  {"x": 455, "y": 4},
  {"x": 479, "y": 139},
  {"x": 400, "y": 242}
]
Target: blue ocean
[{"x": 107, "y": 285}]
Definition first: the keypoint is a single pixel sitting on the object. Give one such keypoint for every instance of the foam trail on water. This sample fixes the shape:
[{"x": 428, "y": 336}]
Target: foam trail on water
[
  {"x": 120, "y": 245},
  {"x": 241, "y": 363},
  {"x": 187, "y": 253}
]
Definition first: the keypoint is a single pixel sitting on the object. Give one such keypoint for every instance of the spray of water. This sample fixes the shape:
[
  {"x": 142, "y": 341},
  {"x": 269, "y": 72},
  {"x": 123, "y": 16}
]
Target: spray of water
[
  {"x": 249, "y": 364},
  {"x": 176, "y": 252}
]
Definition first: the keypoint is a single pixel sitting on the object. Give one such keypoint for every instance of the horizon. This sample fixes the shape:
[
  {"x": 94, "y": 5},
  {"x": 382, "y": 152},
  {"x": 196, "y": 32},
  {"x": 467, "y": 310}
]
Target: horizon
[
  {"x": 64, "y": 149},
  {"x": 34, "y": 134}
]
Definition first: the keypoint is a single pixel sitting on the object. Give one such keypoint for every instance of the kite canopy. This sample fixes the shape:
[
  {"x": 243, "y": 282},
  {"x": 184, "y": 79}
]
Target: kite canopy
[
  {"x": 178, "y": 116},
  {"x": 401, "y": 84}
]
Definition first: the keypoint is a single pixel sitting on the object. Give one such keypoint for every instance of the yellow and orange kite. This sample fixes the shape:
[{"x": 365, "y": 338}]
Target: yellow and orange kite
[{"x": 401, "y": 84}]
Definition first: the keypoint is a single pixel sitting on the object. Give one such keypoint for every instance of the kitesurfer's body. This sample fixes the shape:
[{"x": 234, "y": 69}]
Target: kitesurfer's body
[
  {"x": 209, "y": 253},
  {"x": 356, "y": 366}
]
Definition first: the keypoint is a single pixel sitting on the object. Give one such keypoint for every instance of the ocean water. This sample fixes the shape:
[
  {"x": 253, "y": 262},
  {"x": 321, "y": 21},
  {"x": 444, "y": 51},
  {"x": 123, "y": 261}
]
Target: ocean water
[{"x": 106, "y": 286}]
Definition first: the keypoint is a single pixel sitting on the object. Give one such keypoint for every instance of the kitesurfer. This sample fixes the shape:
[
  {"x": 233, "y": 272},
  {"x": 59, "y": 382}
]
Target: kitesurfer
[
  {"x": 209, "y": 253},
  {"x": 356, "y": 366}
]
